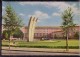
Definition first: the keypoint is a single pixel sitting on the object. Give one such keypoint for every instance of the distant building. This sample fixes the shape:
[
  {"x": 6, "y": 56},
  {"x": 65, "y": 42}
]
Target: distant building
[{"x": 48, "y": 32}]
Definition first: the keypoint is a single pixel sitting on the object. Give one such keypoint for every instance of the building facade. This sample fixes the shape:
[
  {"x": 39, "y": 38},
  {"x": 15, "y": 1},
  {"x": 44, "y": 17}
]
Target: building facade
[{"x": 48, "y": 32}]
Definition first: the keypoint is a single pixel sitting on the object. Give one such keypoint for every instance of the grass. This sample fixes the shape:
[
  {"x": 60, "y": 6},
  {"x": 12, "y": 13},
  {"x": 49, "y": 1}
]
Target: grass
[{"x": 73, "y": 44}]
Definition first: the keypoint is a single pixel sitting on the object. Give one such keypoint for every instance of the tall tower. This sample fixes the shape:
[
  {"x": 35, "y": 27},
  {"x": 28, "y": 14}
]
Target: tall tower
[{"x": 31, "y": 28}]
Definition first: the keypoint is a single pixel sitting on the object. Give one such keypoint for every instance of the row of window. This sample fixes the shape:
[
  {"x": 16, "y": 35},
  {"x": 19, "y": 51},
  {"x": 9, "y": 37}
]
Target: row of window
[
  {"x": 41, "y": 34},
  {"x": 44, "y": 30}
]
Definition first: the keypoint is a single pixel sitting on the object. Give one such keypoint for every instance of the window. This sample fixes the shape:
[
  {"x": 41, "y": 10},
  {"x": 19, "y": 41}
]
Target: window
[{"x": 34, "y": 34}]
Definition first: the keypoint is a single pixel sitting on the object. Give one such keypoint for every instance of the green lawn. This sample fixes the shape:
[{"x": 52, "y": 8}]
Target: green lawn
[{"x": 73, "y": 44}]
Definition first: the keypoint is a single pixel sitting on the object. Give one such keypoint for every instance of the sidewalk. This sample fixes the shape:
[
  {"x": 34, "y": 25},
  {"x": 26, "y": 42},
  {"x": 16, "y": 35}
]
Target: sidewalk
[{"x": 74, "y": 51}]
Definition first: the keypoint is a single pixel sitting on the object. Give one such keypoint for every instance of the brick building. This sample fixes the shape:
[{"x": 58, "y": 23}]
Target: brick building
[{"x": 48, "y": 32}]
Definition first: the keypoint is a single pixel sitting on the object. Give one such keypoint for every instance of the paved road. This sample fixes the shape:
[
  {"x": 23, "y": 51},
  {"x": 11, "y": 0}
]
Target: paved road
[
  {"x": 6, "y": 52},
  {"x": 38, "y": 51}
]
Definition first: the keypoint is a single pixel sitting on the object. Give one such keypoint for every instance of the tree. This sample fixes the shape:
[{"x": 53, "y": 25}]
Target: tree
[
  {"x": 55, "y": 36},
  {"x": 11, "y": 21},
  {"x": 5, "y": 35},
  {"x": 76, "y": 35},
  {"x": 18, "y": 33},
  {"x": 67, "y": 25}
]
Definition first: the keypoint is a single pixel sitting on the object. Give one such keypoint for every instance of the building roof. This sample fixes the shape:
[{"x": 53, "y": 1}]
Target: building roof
[
  {"x": 56, "y": 27},
  {"x": 48, "y": 27}
]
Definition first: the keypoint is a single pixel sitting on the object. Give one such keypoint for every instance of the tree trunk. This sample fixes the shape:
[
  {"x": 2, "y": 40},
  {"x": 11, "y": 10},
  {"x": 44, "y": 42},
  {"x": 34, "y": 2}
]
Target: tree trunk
[
  {"x": 9, "y": 43},
  {"x": 9, "y": 37},
  {"x": 67, "y": 36}
]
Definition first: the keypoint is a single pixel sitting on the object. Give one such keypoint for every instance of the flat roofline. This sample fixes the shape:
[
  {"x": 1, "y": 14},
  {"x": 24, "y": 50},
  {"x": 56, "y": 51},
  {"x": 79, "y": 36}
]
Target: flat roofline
[{"x": 48, "y": 26}]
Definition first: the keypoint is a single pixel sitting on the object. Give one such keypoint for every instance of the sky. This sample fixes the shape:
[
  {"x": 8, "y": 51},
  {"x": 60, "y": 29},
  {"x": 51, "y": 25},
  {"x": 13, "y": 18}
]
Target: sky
[{"x": 48, "y": 13}]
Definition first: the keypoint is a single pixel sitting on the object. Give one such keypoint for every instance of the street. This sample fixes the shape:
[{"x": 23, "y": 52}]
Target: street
[
  {"x": 36, "y": 51},
  {"x": 6, "y": 52}
]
